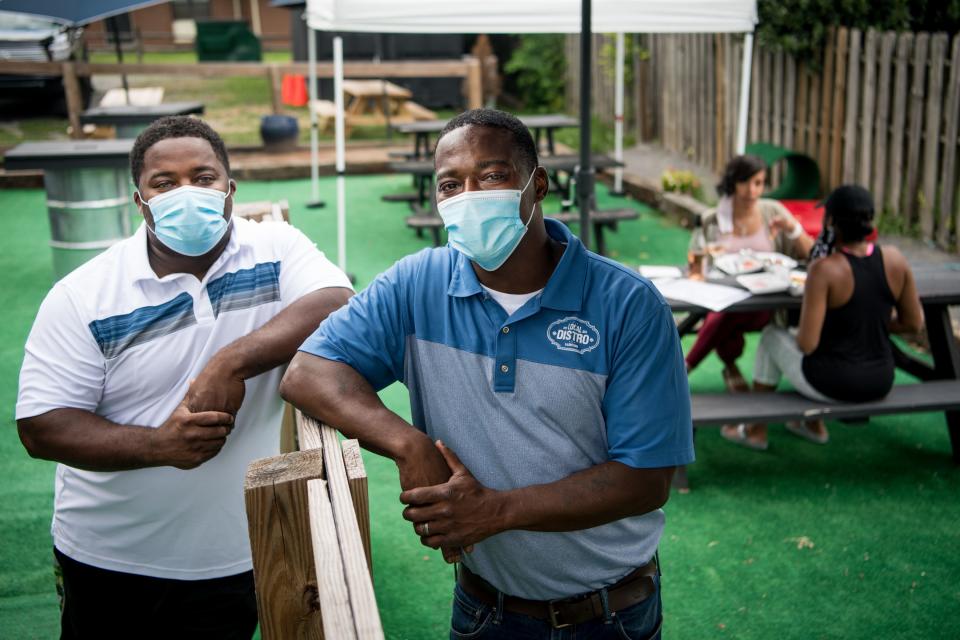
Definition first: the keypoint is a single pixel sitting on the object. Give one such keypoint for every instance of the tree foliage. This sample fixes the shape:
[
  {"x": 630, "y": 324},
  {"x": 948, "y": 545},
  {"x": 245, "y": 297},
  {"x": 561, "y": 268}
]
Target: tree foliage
[
  {"x": 799, "y": 27},
  {"x": 538, "y": 68}
]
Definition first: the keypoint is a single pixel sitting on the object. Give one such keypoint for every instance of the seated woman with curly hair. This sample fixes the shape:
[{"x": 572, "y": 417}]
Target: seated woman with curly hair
[
  {"x": 841, "y": 350},
  {"x": 743, "y": 220}
]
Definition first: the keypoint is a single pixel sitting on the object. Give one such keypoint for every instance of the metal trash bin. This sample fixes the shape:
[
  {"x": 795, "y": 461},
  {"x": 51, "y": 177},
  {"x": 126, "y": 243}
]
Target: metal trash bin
[
  {"x": 88, "y": 189},
  {"x": 130, "y": 120}
]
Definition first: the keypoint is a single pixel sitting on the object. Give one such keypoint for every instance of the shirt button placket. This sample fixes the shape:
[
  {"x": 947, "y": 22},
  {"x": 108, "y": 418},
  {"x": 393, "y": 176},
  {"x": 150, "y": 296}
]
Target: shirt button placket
[{"x": 506, "y": 360}]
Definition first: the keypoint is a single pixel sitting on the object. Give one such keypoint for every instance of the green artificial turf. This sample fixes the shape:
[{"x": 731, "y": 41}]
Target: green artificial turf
[{"x": 857, "y": 539}]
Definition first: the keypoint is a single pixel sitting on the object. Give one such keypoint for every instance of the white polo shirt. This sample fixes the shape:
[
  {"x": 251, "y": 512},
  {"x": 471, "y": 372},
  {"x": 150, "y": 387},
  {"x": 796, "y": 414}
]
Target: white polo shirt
[{"x": 114, "y": 339}]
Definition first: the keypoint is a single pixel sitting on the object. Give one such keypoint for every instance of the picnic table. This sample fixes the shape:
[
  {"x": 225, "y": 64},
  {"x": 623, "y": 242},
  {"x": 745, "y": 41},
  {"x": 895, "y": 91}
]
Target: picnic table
[
  {"x": 131, "y": 119},
  {"x": 938, "y": 286},
  {"x": 543, "y": 126}
]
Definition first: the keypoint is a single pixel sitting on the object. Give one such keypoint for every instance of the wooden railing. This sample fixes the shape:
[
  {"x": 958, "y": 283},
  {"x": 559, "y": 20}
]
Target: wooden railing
[{"x": 309, "y": 523}]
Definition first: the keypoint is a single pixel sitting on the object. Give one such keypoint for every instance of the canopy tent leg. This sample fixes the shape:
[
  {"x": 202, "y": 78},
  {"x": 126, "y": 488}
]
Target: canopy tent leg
[
  {"x": 585, "y": 170},
  {"x": 618, "y": 119},
  {"x": 341, "y": 153},
  {"x": 745, "y": 78},
  {"x": 315, "y": 201}
]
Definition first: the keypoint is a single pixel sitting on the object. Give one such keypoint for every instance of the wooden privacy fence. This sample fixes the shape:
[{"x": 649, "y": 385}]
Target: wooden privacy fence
[
  {"x": 880, "y": 109},
  {"x": 309, "y": 522}
]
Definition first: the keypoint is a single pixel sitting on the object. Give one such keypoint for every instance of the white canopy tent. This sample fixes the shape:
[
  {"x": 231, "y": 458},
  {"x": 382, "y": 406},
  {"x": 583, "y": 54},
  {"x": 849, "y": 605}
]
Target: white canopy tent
[{"x": 529, "y": 16}]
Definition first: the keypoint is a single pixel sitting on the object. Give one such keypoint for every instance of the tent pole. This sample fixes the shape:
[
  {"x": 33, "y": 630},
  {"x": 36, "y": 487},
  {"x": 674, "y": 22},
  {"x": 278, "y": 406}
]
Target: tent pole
[
  {"x": 315, "y": 201},
  {"x": 618, "y": 119},
  {"x": 585, "y": 170},
  {"x": 745, "y": 78},
  {"x": 341, "y": 152}
]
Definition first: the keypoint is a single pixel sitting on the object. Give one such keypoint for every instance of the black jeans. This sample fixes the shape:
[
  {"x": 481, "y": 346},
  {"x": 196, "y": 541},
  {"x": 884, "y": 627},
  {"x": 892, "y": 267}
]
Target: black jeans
[{"x": 99, "y": 603}]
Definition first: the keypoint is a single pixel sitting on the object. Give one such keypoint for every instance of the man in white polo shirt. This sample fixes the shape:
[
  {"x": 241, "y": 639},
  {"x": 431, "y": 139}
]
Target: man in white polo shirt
[{"x": 151, "y": 376}]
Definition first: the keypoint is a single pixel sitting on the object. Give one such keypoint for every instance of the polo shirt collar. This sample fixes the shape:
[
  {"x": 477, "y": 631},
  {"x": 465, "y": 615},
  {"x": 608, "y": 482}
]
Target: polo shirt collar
[
  {"x": 139, "y": 262},
  {"x": 564, "y": 290}
]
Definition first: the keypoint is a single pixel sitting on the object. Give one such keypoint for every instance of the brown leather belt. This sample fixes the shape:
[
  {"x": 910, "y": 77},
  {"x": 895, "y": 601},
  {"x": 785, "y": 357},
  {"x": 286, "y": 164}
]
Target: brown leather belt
[{"x": 636, "y": 586}]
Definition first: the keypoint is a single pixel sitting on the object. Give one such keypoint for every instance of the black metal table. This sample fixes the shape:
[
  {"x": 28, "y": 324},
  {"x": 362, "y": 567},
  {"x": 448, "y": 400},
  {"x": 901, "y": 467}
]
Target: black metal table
[{"x": 130, "y": 120}]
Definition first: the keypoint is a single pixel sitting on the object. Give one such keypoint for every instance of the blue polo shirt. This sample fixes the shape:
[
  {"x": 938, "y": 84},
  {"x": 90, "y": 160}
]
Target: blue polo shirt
[{"x": 588, "y": 371}]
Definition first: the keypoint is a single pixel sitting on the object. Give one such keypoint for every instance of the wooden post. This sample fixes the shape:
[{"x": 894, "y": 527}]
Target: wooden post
[
  {"x": 826, "y": 99},
  {"x": 948, "y": 181},
  {"x": 931, "y": 144},
  {"x": 803, "y": 83},
  {"x": 276, "y": 92},
  {"x": 275, "y": 491},
  {"x": 915, "y": 133},
  {"x": 474, "y": 82},
  {"x": 331, "y": 583},
  {"x": 71, "y": 89},
  {"x": 357, "y": 479},
  {"x": 898, "y": 118},
  {"x": 308, "y": 432},
  {"x": 288, "y": 430},
  {"x": 867, "y": 110},
  {"x": 882, "y": 122},
  {"x": 362, "y": 600},
  {"x": 836, "y": 120},
  {"x": 852, "y": 109}
]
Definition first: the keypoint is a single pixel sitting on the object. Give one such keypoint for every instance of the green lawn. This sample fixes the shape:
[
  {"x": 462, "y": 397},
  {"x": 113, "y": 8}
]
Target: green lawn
[{"x": 857, "y": 539}]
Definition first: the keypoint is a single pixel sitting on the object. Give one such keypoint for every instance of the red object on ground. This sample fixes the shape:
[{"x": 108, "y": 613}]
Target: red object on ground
[
  {"x": 293, "y": 90},
  {"x": 809, "y": 213}
]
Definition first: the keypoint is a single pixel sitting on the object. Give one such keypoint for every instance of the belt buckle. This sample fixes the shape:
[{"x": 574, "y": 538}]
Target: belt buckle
[{"x": 556, "y": 624}]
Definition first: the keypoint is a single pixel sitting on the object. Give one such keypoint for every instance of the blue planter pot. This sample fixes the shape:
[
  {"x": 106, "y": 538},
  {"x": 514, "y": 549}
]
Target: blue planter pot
[{"x": 279, "y": 132}]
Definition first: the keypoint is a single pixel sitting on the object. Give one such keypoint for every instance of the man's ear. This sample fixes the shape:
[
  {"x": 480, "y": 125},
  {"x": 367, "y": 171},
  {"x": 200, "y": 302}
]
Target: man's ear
[
  {"x": 541, "y": 182},
  {"x": 231, "y": 187}
]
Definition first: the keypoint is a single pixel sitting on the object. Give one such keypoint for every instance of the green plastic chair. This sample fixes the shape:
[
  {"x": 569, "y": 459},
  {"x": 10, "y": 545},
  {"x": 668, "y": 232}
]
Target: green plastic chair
[{"x": 801, "y": 177}]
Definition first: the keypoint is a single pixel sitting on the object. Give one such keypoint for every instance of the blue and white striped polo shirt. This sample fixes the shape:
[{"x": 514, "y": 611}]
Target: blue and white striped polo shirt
[
  {"x": 588, "y": 371},
  {"x": 114, "y": 339}
]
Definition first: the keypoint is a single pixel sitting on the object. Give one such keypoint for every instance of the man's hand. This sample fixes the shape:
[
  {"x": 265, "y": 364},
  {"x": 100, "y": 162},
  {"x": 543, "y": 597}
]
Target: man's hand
[
  {"x": 216, "y": 388},
  {"x": 456, "y": 514},
  {"x": 188, "y": 439}
]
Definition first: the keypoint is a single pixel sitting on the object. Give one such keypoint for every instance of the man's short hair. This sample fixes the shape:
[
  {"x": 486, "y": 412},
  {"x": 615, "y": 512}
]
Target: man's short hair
[
  {"x": 174, "y": 127},
  {"x": 522, "y": 140}
]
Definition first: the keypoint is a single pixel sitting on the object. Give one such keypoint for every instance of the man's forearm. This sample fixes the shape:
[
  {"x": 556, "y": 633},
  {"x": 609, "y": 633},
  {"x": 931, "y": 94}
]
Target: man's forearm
[
  {"x": 276, "y": 342},
  {"x": 85, "y": 440}
]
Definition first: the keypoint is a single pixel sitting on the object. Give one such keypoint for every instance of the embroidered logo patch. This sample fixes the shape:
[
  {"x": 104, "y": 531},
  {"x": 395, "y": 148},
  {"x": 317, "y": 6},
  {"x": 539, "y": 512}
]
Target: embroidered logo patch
[{"x": 573, "y": 334}]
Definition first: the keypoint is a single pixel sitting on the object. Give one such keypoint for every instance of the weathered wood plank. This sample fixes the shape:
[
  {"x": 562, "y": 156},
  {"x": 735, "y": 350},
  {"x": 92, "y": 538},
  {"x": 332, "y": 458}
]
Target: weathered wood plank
[
  {"x": 362, "y": 600},
  {"x": 882, "y": 122},
  {"x": 836, "y": 116},
  {"x": 867, "y": 110},
  {"x": 852, "y": 108},
  {"x": 827, "y": 87},
  {"x": 800, "y": 118},
  {"x": 710, "y": 120},
  {"x": 720, "y": 100},
  {"x": 71, "y": 90},
  {"x": 755, "y": 107},
  {"x": 915, "y": 133},
  {"x": 898, "y": 116},
  {"x": 308, "y": 432},
  {"x": 789, "y": 101},
  {"x": 331, "y": 583},
  {"x": 776, "y": 107},
  {"x": 357, "y": 479},
  {"x": 275, "y": 493},
  {"x": 813, "y": 117},
  {"x": 948, "y": 180},
  {"x": 931, "y": 144},
  {"x": 288, "y": 429},
  {"x": 766, "y": 73}
]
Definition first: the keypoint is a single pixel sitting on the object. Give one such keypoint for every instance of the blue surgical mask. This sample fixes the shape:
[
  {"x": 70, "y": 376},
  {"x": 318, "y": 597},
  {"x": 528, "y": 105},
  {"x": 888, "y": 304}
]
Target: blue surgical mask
[
  {"x": 188, "y": 219},
  {"x": 485, "y": 225}
]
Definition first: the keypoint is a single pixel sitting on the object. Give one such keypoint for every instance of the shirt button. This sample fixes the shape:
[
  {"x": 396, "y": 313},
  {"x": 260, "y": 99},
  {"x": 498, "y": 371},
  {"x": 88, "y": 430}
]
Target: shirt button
[
  {"x": 506, "y": 329},
  {"x": 504, "y": 368}
]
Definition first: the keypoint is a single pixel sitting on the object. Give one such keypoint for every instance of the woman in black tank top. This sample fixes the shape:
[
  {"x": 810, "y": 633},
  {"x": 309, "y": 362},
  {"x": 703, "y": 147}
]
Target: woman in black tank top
[{"x": 842, "y": 350}]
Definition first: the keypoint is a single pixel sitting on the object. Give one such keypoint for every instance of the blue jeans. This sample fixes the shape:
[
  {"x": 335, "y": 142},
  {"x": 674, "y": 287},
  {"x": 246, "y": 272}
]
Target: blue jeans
[{"x": 473, "y": 619}]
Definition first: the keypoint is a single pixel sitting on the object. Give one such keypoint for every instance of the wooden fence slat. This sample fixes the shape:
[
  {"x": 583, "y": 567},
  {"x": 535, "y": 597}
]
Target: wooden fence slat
[
  {"x": 734, "y": 64},
  {"x": 948, "y": 175},
  {"x": 357, "y": 478},
  {"x": 915, "y": 133},
  {"x": 895, "y": 173},
  {"x": 710, "y": 120},
  {"x": 331, "y": 583},
  {"x": 813, "y": 120},
  {"x": 308, "y": 432},
  {"x": 800, "y": 110},
  {"x": 719, "y": 100},
  {"x": 362, "y": 600},
  {"x": 931, "y": 144},
  {"x": 755, "y": 134},
  {"x": 852, "y": 108},
  {"x": 275, "y": 493},
  {"x": 836, "y": 117},
  {"x": 868, "y": 105},
  {"x": 827, "y": 87},
  {"x": 789, "y": 102},
  {"x": 882, "y": 122},
  {"x": 766, "y": 66},
  {"x": 776, "y": 108}
]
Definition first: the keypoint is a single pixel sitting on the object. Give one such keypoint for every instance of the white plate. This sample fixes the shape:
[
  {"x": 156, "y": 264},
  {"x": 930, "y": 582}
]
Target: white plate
[
  {"x": 772, "y": 258},
  {"x": 735, "y": 264},
  {"x": 760, "y": 283}
]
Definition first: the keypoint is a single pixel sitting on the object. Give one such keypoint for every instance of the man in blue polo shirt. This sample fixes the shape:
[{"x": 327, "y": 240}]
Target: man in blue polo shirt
[{"x": 549, "y": 400}]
